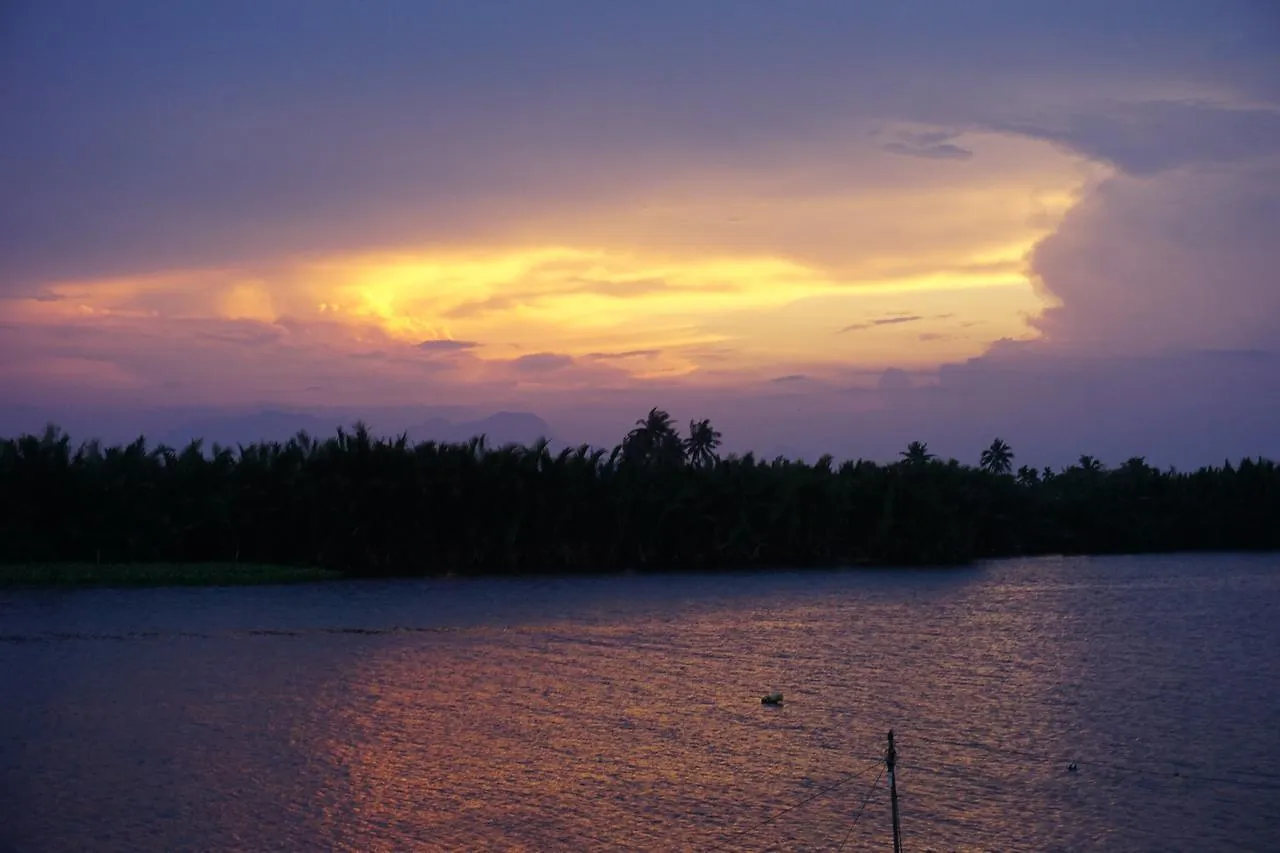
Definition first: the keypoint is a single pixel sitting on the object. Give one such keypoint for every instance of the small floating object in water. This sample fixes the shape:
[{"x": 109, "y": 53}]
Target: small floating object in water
[
  {"x": 771, "y": 699},
  {"x": 1072, "y": 768}
]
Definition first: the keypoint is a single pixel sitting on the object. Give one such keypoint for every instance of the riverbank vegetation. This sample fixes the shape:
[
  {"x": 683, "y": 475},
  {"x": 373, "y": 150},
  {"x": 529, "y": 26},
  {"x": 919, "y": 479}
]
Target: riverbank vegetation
[
  {"x": 661, "y": 500},
  {"x": 156, "y": 574}
]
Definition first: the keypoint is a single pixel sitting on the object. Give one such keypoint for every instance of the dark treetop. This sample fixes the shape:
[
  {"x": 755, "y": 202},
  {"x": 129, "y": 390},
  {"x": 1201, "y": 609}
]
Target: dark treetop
[{"x": 658, "y": 501}]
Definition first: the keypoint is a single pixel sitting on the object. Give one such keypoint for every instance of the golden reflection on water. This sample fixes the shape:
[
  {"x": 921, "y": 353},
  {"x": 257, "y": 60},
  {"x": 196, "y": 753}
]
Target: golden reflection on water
[
  {"x": 612, "y": 737},
  {"x": 650, "y": 734}
]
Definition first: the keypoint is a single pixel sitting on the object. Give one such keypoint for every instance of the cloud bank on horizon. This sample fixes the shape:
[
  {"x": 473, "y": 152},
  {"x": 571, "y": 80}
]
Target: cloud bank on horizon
[{"x": 828, "y": 226}]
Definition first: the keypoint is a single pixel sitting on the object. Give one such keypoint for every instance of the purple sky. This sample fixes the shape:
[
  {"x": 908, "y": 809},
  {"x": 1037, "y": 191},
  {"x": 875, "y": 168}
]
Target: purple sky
[{"x": 829, "y": 226}]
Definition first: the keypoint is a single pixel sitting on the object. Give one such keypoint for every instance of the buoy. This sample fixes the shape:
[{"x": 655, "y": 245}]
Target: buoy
[
  {"x": 771, "y": 699},
  {"x": 1071, "y": 768}
]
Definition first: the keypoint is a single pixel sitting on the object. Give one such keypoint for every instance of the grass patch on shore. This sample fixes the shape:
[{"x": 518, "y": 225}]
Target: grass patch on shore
[{"x": 156, "y": 574}]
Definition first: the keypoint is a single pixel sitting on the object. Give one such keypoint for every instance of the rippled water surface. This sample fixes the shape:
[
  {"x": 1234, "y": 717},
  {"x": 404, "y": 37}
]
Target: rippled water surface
[{"x": 624, "y": 713}]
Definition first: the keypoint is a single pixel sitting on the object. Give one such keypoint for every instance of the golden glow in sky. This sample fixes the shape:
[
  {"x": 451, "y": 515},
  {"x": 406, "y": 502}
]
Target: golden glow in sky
[{"x": 717, "y": 282}]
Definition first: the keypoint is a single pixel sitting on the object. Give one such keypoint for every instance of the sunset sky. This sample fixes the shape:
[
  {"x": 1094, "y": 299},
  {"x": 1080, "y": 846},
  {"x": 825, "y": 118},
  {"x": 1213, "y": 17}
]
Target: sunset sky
[{"x": 829, "y": 226}]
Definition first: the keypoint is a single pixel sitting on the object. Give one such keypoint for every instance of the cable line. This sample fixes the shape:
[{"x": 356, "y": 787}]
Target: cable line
[{"x": 861, "y": 809}]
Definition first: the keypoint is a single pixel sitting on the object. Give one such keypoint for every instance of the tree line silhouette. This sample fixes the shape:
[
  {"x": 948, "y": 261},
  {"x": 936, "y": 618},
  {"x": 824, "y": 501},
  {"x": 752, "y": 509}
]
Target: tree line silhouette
[{"x": 658, "y": 501}]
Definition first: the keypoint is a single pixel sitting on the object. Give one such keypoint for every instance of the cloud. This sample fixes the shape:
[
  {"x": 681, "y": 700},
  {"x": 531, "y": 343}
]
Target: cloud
[
  {"x": 930, "y": 145},
  {"x": 244, "y": 333},
  {"x": 132, "y": 173},
  {"x": 1184, "y": 259},
  {"x": 1149, "y": 137},
  {"x": 480, "y": 307},
  {"x": 894, "y": 379},
  {"x": 447, "y": 345},
  {"x": 944, "y": 151},
  {"x": 791, "y": 377},
  {"x": 883, "y": 321},
  {"x": 554, "y": 281},
  {"x": 620, "y": 288},
  {"x": 542, "y": 362},
  {"x": 1162, "y": 341},
  {"x": 132, "y": 361},
  {"x": 626, "y": 354}
]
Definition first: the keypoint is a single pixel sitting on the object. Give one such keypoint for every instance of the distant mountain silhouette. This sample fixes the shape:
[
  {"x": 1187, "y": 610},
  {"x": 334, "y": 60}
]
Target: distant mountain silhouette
[
  {"x": 275, "y": 425},
  {"x": 267, "y": 425}
]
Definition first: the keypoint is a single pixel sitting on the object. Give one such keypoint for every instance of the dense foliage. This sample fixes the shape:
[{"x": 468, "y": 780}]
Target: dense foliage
[{"x": 658, "y": 501}]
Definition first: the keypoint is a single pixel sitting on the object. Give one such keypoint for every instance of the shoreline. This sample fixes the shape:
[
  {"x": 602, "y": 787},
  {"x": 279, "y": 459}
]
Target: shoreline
[{"x": 155, "y": 575}]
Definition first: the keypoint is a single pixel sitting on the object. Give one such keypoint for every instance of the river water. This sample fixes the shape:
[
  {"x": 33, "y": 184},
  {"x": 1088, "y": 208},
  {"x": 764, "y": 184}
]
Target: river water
[{"x": 624, "y": 713}]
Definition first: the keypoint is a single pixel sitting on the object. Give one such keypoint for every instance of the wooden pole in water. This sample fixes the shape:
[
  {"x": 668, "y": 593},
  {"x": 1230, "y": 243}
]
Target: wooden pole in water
[{"x": 890, "y": 760}]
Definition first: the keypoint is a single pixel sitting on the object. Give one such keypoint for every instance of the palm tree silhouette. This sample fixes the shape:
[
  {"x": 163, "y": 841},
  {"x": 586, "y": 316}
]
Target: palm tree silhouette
[
  {"x": 917, "y": 453},
  {"x": 998, "y": 458},
  {"x": 1028, "y": 476},
  {"x": 1136, "y": 467},
  {"x": 653, "y": 440},
  {"x": 700, "y": 447}
]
